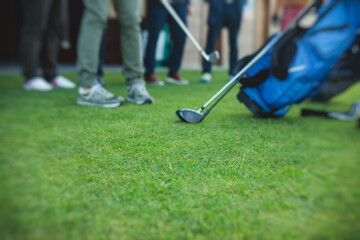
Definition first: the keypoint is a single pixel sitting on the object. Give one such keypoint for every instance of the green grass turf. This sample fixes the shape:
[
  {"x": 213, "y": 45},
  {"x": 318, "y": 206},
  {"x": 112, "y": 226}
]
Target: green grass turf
[{"x": 137, "y": 172}]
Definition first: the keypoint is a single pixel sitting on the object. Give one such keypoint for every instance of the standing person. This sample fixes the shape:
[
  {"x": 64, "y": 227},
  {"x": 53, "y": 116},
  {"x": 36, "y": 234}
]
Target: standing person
[
  {"x": 222, "y": 13},
  {"x": 290, "y": 8},
  {"x": 39, "y": 45},
  {"x": 92, "y": 27},
  {"x": 157, "y": 16}
]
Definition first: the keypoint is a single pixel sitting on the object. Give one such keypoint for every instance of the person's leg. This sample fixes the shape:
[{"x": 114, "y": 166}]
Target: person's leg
[
  {"x": 233, "y": 27},
  {"x": 51, "y": 40},
  {"x": 211, "y": 39},
  {"x": 130, "y": 36},
  {"x": 100, "y": 70},
  {"x": 35, "y": 15},
  {"x": 156, "y": 19},
  {"x": 179, "y": 38},
  {"x": 233, "y": 51},
  {"x": 92, "y": 27}
]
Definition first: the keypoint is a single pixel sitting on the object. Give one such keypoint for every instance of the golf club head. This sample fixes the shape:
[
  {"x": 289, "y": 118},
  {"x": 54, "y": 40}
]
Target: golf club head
[
  {"x": 189, "y": 115},
  {"x": 352, "y": 115},
  {"x": 214, "y": 57},
  {"x": 355, "y": 110}
]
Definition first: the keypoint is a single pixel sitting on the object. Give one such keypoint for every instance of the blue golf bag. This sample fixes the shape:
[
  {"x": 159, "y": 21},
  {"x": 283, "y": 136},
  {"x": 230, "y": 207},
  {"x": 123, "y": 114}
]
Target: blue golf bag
[
  {"x": 343, "y": 75},
  {"x": 294, "y": 69}
]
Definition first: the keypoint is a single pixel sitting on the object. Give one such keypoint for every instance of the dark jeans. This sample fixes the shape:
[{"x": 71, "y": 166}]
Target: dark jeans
[
  {"x": 39, "y": 43},
  {"x": 157, "y": 18},
  {"x": 100, "y": 71},
  {"x": 228, "y": 20}
]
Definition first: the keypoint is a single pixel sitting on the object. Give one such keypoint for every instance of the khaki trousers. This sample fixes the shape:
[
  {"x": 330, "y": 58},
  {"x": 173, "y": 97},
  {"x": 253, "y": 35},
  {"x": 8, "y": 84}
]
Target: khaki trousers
[{"x": 93, "y": 24}]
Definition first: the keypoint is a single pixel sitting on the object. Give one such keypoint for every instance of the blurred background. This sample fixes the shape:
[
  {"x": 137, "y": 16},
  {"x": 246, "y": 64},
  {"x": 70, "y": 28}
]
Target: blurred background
[{"x": 256, "y": 27}]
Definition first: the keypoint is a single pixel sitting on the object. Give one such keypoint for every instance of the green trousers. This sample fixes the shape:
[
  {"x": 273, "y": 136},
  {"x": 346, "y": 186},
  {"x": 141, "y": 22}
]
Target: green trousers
[{"x": 93, "y": 24}]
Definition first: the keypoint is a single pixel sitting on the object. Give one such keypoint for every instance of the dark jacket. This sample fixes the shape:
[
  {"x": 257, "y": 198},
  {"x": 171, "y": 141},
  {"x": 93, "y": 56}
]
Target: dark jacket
[{"x": 216, "y": 10}]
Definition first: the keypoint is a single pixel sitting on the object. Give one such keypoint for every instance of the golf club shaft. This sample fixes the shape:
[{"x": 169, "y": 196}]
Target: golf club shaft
[
  {"x": 261, "y": 53},
  {"x": 243, "y": 71},
  {"x": 176, "y": 17},
  {"x": 221, "y": 97},
  {"x": 334, "y": 115},
  {"x": 310, "y": 112}
]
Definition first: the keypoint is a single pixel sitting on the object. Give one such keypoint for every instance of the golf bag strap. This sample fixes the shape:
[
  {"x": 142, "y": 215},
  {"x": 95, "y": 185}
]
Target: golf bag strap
[
  {"x": 283, "y": 54},
  {"x": 252, "y": 81},
  {"x": 286, "y": 48},
  {"x": 255, "y": 80}
]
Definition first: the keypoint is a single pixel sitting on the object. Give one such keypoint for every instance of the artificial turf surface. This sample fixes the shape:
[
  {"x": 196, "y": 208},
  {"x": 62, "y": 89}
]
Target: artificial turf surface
[{"x": 137, "y": 172}]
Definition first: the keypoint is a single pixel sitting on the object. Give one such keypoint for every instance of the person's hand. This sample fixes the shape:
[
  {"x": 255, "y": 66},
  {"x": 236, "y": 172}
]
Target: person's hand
[
  {"x": 189, "y": 9},
  {"x": 275, "y": 20}
]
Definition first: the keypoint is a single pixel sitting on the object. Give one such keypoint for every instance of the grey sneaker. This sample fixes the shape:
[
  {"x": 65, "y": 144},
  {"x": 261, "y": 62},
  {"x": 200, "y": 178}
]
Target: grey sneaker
[
  {"x": 138, "y": 94},
  {"x": 98, "y": 96}
]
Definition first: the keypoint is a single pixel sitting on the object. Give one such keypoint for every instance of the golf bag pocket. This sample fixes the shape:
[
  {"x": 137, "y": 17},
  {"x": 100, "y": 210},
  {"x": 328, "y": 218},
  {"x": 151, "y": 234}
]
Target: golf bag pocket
[
  {"x": 345, "y": 74},
  {"x": 294, "y": 69}
]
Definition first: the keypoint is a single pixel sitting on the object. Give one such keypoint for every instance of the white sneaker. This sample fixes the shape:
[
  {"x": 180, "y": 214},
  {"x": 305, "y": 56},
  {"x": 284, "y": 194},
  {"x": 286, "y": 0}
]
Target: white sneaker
[
  {"x": 205, "y": 77},
  {"x": 38, "y": 84},
  {"x": 62, "y": 82},
  {"x": 176, "y": 79}
]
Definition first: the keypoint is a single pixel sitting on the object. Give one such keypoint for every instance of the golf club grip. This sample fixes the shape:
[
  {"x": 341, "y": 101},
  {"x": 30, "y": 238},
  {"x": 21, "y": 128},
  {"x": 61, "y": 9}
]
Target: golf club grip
[{"x": 310, "y": 112}]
